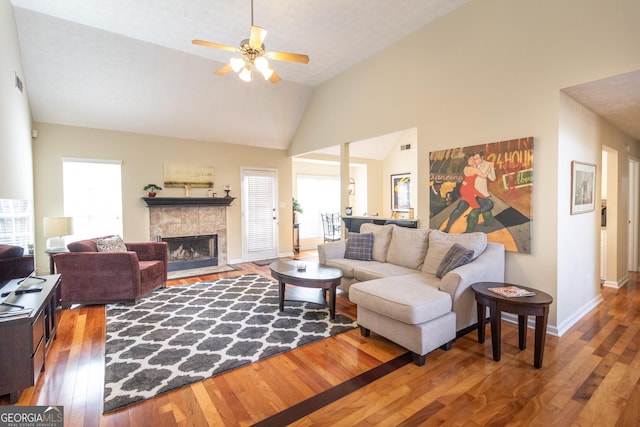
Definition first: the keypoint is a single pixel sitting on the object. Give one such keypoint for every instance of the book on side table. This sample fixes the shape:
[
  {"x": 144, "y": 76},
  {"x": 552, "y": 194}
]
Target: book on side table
[{"x": 512, "y": 291}]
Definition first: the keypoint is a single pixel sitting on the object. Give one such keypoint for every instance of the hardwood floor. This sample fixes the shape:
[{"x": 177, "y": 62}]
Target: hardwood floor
[{"x": 590, "y": 376}]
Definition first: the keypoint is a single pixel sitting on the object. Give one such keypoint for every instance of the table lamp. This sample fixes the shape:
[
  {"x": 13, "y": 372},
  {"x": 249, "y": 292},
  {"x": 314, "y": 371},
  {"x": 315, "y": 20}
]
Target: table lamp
[{"x": 55, "y": 228}]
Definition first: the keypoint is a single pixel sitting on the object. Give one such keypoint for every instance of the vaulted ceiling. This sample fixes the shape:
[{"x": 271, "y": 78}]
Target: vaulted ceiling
[{"x": 130, "y": 65}]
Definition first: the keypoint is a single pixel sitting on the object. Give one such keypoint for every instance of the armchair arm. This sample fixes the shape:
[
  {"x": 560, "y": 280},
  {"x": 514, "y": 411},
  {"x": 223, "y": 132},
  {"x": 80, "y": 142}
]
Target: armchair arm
[
  {"x": 16, "y": 267},
  {"x": 150, "y": 251},
  {"x": 331, "y": 250}
]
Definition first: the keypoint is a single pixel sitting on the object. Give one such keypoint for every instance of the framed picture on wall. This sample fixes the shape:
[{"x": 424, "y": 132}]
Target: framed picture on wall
[
  {"x": 401, "y": 192},
  {"x": 583, "y": 187}
]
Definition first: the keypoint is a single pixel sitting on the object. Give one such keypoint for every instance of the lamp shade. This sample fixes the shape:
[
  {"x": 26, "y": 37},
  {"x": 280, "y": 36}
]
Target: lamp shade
[{"x": 58, "y": 226}]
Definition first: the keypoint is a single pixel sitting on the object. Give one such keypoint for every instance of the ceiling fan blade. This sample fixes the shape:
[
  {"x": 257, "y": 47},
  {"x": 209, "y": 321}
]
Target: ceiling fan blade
[
  {"x": 290, "y": 57},
  {"x": 224, "y": 70},
  {"x": 275, "y": 78},
  {"x": 257, "y": 37},
  {"x": 215, "y": 45}
]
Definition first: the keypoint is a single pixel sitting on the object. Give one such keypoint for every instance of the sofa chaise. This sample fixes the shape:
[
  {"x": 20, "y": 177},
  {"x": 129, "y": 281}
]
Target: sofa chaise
[{"x": 413, "y": 286}]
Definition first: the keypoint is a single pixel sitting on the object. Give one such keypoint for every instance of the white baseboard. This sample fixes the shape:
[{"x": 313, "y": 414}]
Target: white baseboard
[
  {"x": 616, "y": 285},
  {"x": 555, "y": 330}
]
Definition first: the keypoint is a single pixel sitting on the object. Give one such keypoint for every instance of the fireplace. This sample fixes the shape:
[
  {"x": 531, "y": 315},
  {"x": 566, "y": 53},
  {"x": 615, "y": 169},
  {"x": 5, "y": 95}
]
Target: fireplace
[
  {"x": 179, "y": 217},
  {"x": 187, "y": 252}
]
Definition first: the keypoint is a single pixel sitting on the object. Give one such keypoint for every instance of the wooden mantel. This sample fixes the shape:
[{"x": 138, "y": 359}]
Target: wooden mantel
[{"x": 187, "y": 201}]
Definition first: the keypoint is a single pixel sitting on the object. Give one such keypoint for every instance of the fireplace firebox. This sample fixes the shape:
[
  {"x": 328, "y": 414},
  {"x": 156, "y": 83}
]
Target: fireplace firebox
[{"x": 188, "y": 252}]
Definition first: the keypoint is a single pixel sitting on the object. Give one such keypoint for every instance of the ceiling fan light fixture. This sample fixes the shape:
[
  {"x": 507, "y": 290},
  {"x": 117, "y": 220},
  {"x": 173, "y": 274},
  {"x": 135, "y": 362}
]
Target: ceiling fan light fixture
[
  {"x": 245, "y": 74},
  {"x": 255, "y": 55},
  {"x": 237, "y": 64},
  {"x": 262, "y": 65}
]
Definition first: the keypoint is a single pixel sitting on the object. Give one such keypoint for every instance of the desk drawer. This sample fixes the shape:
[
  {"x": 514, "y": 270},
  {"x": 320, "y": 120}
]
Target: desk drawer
[
  {"x": 38, "y": 330},
  {"x": 38, "y": 360}
]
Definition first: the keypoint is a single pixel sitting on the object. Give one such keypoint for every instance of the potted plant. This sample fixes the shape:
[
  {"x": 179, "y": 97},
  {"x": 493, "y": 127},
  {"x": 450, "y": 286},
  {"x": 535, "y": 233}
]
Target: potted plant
[
  {"x": 295, "y": 205},
  {"x": 151, "y": 189}
]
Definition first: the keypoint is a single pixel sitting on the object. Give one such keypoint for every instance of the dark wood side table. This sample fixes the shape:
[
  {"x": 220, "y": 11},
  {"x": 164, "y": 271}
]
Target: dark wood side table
[
  {"x": 536, "y": 305},
  {"x": 296, "y": 238}
]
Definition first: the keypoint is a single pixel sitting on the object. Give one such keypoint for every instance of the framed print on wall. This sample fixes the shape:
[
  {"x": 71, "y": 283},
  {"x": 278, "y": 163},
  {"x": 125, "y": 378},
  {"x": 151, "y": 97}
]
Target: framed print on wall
[
  {"x": 486, "y": 188},
  {"x": 583, "y": 187},
  {"x": 400, "y": 192}
]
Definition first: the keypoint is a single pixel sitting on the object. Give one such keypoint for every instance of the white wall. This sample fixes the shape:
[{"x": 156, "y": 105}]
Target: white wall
[
  {"x": 143, "y": 158},
  {"x": 16, "y": 170},
  {"x": 399, "y": 162},
  {"x": 489, "y": 71}
]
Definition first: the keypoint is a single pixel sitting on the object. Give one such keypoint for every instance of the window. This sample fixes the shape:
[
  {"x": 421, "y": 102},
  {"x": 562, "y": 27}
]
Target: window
[
  {"x": 316, "y": 194},
  {"x": 93, "y": 196},
  {"x": 16, "y": 222}
]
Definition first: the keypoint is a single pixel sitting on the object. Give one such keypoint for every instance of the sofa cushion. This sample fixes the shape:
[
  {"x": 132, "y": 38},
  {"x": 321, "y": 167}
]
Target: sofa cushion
[
  {"x": 440, "y": 243},
  {"x": 454, "y": 258},
  {"x": 359, "y": 246},
  {"x": 408, "y": 247},
  {"x": 381, "y": 239},
  {"x": 378, "y": 270},
  {"x": 347, "y": 266},
  {"x": 11, "y": 251},
  {"x": 111, "y": 244},
  {"x": 409, "y": 301}
]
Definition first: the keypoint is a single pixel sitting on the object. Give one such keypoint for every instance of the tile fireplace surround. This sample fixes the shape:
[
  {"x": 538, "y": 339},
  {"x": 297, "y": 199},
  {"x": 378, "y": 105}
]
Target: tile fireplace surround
[{"x": 182, "y": 221}]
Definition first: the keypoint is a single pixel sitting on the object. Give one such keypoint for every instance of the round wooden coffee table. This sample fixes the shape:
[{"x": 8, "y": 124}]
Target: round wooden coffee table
[
  {"x": 315, "y": 276},
  {"x": 536, "y": 305}
]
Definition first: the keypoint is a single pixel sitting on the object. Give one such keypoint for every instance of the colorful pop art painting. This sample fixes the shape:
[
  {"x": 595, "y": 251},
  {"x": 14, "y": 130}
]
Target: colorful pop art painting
[{"x": 485, "y": 188}]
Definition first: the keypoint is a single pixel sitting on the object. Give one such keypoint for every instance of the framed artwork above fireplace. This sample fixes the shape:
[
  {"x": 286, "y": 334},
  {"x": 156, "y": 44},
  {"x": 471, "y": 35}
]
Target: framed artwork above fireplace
[{"x": 186, "y": 174}]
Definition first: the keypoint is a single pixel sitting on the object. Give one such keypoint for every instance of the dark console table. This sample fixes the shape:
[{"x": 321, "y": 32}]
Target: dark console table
[
  {"x": 353, "y": 223},
  {"x": 26, "y": 337}
]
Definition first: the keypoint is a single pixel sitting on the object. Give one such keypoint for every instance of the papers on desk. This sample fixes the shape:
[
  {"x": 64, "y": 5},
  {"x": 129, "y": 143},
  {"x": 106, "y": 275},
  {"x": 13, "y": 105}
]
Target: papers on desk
[{"x": 7, "y": 313}]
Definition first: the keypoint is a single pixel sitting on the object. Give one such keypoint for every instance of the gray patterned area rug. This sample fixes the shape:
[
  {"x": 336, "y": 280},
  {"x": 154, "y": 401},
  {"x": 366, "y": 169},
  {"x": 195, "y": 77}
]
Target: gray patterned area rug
[{"x": 183, "y": 334}]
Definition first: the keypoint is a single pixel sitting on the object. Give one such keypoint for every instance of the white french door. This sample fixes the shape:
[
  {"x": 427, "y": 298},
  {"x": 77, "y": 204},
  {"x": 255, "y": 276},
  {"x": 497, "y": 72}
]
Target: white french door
[{"x": 259, "y": 214}]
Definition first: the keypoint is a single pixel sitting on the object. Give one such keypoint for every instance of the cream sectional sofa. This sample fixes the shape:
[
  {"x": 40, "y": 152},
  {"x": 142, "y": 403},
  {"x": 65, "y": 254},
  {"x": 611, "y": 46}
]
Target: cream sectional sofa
[{"x": 395, "y": 282}]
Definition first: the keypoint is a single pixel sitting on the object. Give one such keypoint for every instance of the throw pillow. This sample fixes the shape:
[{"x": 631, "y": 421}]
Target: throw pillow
[
  {"x": 381, "y": 239},
  {"x": 359, "y": 246},
  {"x": 440, "y": 243},
  {"x": 454, "y": 258},
  {"x": 111, "y": 244}
]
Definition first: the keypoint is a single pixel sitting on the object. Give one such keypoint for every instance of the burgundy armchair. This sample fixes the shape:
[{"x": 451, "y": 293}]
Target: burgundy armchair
[
  {"x": 92, "y": 277},
  {"x": 13, "y": 264}
]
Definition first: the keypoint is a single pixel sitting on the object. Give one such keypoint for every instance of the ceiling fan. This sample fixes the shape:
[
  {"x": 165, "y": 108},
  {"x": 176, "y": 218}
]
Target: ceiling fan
[{"x": 255, "y": 55}]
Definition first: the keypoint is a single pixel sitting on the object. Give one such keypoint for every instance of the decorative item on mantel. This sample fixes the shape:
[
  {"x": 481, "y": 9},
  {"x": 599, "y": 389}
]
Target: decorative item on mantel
[
  {"x": 227, "y": 189},
  {"x": 187, "y": 190},
  {"x": 151, "y": 189}
]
